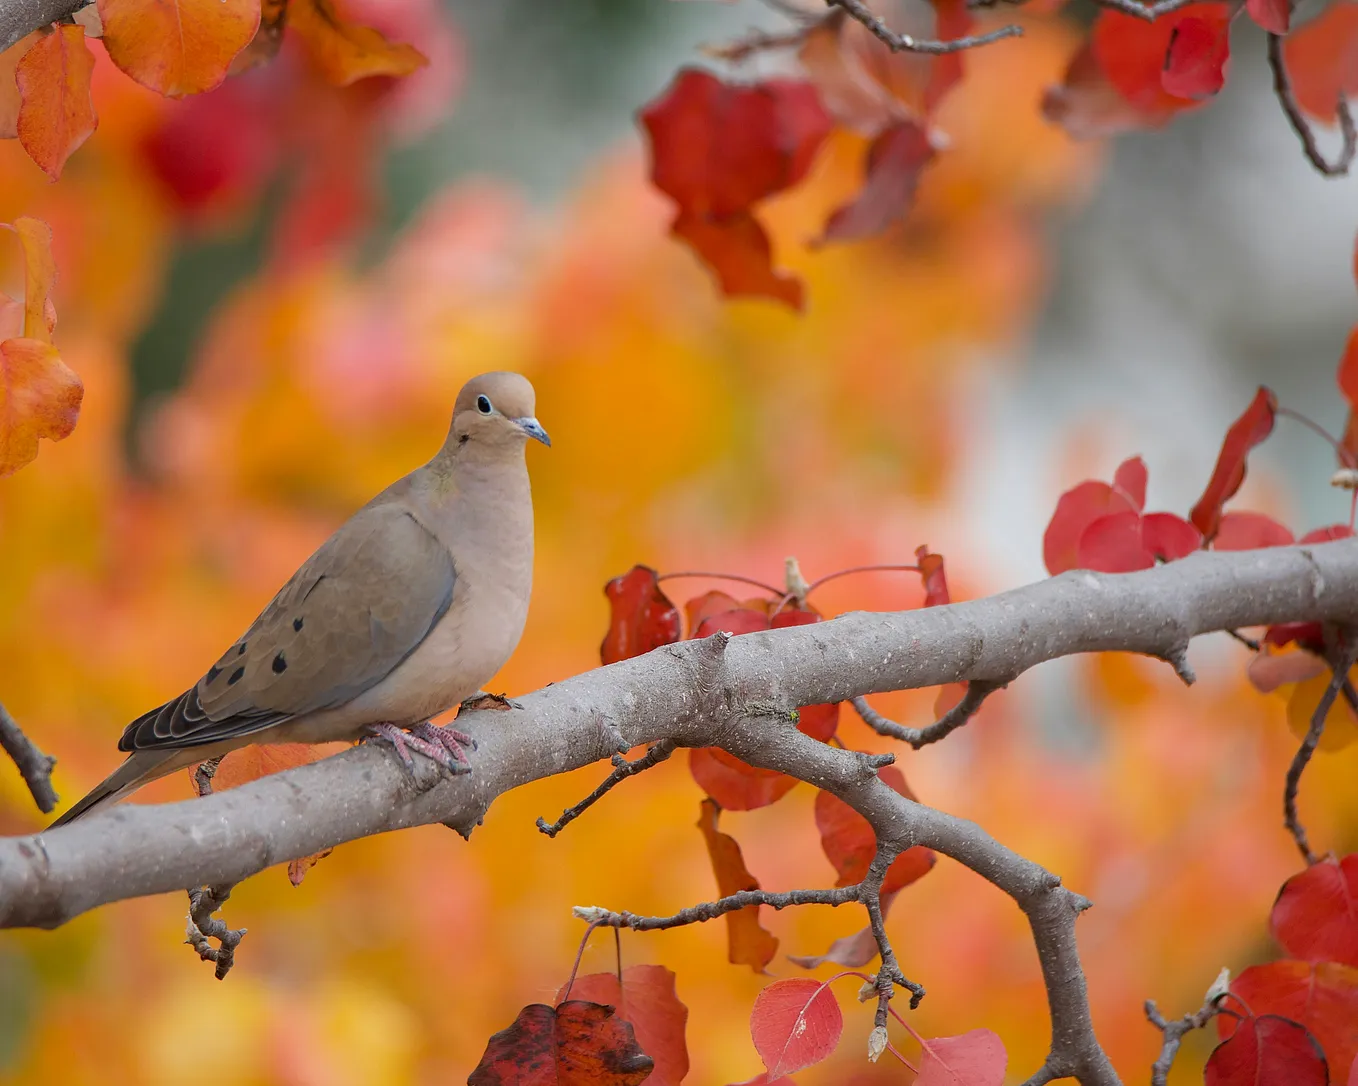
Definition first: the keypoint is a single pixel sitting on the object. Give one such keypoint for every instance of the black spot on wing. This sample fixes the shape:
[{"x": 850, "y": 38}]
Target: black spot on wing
[
  {"x": 280, "y": 665},
  {"x": 297, "y": 624},
  {"x": 236, "y": 676},
  {"x": 240, "y": 649},
  {"x": 212, "y": 674}
]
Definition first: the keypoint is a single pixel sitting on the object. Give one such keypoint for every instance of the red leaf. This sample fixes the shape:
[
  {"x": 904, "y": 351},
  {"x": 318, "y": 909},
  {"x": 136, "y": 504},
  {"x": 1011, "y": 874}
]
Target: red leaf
[
  {"x": 931, "y": 573},
  {"x": 894, "y": 161},
  {"x": 1322, "y": 60},
  {"x": 975, "y": 1058},
  {"x": 850, "y": 844},
  {"x": 954, "y": 21},
  {"x": 56, "y": 114},
  {"x": 1327, "y": 534},
  {"x": 1124, "y": 542},
  {"x": 1199, "y": 48},
  {"x": 794, "y": 1024},
  {"x": 1248, "y": 531},
  {"x": 574, "y": 1044},
  {"x": 1245, "y": 433},
  {"x": 1316, "y": 915},
  {"x": 738, "y": 252},
  {"x": 1168, "y": 537},
  {"x": 765, "y": 1080},
  {"x": 1130, "y": 480},
  {"x": 1133, "y": 54},
  {"x": 648, "y": 1001},
  {"x": 747, "y": 942},
  {"x": 1266, "y": 1051},
  {"x": 1308, "y": 634},
  {"x": 718, "y": 148},
  {"x": 1275, "y": 16},
  {"x": 1270, "y": 670},
  {"x": 1088, "y": 106},
  {"x": 643, "y": 618},
  {"x": 818, "y": 721},
  {"x": 706, "y": 605},
  {"x": 1348, "y": 369},
  {"x": 1075, "y": 511},
  {"x": 851, "y": 951},
  {"x": 734, "y": 784},
  {"x": 741, "y": 620},
  {"x": 1323, "y": 997},
  {"x": 851, "y": 96},
  {"x": 1353, "y": 1073}
]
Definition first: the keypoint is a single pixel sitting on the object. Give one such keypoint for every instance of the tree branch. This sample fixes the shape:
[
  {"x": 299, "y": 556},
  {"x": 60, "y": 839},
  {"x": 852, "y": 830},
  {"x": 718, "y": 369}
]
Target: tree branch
[
  {"x": 21, "y": 17},
  {"x": 696, "y": 696},
  {"x": 622, "y": 769},
  {"x": 944, "y": 726},
  {"x": 1282, "y": 87},
  {"x": 34, "y": 766},
  {"x": 898, "y": 43}
]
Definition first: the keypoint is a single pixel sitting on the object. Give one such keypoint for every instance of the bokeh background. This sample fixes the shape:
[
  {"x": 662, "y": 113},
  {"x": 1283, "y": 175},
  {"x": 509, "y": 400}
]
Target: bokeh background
[{"x": 272, "y": 293}]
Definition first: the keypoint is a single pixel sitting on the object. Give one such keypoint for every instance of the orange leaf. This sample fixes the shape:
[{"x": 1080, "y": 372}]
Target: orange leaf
[
  {"x": 297, "y": 869},
  {"x": 648, "y": 1001},
  {"x": 57, "y": 113},
  {"x": 346, "y": 52},
  {"x": 748, "y": 943},
  {"x": 177, "y": 47},
  {"x": 40, "y": 273},
  {"x": 39, "y": 397},
  {"x": 259, "y": 760},
  {"x": 574, "y": 1044},
  {"x": 9, "y": 88}
]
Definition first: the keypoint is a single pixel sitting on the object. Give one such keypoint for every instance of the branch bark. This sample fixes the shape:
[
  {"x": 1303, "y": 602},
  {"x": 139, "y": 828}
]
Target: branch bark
[
  {"x": 727, "y": 692},
  {"x": 21, "y": 17}
]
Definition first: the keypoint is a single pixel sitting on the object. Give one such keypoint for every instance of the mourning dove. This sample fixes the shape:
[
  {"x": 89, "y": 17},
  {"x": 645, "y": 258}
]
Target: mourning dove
[{"x": 407, "y": 610}]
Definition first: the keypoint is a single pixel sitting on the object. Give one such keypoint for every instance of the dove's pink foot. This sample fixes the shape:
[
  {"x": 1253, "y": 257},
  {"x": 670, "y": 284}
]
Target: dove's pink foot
[
  {"x": 448, "y": 737},
  {"x": 436, "y": 749}
]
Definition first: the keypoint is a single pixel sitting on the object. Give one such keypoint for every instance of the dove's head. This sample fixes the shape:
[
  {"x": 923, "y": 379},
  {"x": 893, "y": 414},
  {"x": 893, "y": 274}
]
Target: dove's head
[{"x": 495, "y": 410}]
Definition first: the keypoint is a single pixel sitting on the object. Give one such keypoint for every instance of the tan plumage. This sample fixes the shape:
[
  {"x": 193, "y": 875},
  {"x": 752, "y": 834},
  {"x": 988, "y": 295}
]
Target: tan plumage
[{"x": 408, "y": 609}]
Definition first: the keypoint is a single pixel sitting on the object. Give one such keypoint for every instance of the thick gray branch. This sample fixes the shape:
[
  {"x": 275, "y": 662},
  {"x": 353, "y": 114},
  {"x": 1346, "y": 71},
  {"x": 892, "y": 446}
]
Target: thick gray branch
[
  {"x": 20, "y": 17},
  {"x": 729, "y": 692}
]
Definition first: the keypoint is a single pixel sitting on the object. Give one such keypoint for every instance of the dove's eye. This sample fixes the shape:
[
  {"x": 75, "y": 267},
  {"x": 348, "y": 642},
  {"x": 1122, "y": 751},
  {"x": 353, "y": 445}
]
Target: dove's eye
[{"x": 483, "y": 404}]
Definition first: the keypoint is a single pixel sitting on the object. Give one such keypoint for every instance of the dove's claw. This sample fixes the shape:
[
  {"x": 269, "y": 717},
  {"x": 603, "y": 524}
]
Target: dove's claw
[
  {"x": 447, "y": 738},
  {"x": 442, "y": 751}
]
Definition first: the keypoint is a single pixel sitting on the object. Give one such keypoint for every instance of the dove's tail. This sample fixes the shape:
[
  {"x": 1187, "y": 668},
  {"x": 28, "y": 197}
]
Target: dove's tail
[{"x": 140, "y": 768}]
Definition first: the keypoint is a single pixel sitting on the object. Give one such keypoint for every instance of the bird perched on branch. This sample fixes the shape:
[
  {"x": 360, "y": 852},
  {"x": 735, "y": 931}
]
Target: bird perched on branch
[{"x": 407, "y": 610}]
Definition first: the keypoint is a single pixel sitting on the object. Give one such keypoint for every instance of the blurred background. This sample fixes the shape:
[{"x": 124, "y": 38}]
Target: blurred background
[{"x": 272, "y": 293}]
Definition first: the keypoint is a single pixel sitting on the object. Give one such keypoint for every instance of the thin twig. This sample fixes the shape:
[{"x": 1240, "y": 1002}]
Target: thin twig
[
  {"x": 758, "y": 41},
  {"x": 710, "y": 910},
  {"x": 1342, "y": 454},
  {"x": 1174, "y": 1031},
  {"x": 622, "y": 770},
  {"x": 948, "y": 723},
  {"x": 1249, "y": 642},
  {"x": 34, "y": 766},
  {"x": 899, "y": 43},
  {"x": 202, "y": 926},
  {"x": 1340, "y": 664},
  {"x": 1148, "y": 12},
  {"x": 1282, "y": 87}
]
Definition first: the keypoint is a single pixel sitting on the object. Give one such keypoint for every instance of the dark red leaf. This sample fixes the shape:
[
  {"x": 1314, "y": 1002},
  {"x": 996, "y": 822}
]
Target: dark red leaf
[
  {"x": 1323, "y": 997},
  {"x": 1245, "y": 433},
  {"x": 1075, "y": 511},
  {"x": 765, "y": 1080},
  {"x": 954, "y": 21},
  {"x": 734, "y": 784},
  {"x": 1199, "y": 48},
  {"x": 738, "y": 252},
  {"x": 1133, "y": 54},
  {"x": 1316, "y": 915},
  {"x": 747, "y": 942},
  {"x": 643, "y": 618},
  {"x": 894, "y": 161},
  {"x": 739, "y": 621},
  {"x": 850, "y": 844},
  {"x": 935, "y": 580},
  {"x": 1266, "y": 1051},
  {"x": 575, "y": 1044},
  {"x": 718, "y": 148},
  {"x": 1327, "y": 534},
  {"x": 1248, "y": 531},
  {"x": 1322, "y": 60},
  {"x": 817, "y": 721},
  {"x": 794, "y": 1024},
  {"x": 1275, "y": 16},
  {"x": 975, "y": 1058},
  {"x": 648, "y": 1001},
  {"x": 1307, "y": 634},
  {"x": 706, "y": 605},
  {"x": 1130, "y": 480}
]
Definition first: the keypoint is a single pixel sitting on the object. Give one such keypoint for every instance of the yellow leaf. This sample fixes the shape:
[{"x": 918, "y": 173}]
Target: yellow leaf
[
  {"x": 39, "y": 397},
  {"x": 1341, "y": 726},
  {"x": 40, "y": 273},
  {"x": 346, "y": 52}
]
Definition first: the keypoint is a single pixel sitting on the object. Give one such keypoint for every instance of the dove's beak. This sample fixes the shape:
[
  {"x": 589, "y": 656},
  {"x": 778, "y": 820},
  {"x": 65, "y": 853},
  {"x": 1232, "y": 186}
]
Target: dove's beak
[{"x": 533, "y": 429}]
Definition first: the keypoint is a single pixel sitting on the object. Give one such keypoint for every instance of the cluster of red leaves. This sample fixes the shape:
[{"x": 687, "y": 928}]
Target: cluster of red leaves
[
  {"x": 643, "y": 618},
  {"x": 1134, "y": 73},
  {"x": 39, "y": 394},
  {"x": 1297, "y": 1018},
  {"x": 718, "y": 148},
  {"x": 177, "y": 49}
]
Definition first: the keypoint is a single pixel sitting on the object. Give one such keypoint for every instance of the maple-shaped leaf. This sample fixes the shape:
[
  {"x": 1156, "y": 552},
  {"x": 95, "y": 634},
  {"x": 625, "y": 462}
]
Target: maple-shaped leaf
[
  {"x": 975, "y": 1058},
  {"x": 647, "y": 1000},
  {"x": 719, "y": 148},
  {"x": 1124, "y": 542},
  {"x": 1133, "y": 54},
  {"x": 1199, "y": 48},
  {"x": 851, "y": 951},
  {"x": 1275, "y": 16},
  {"x": 56, "y": 112},
  {"x": 177, "y": 47},
  {"x": 1322, "y": 996},
  {"x": 747, "y": 942},
  {"x": 346, "y": 52},
  {"x": 642, "y": 619},
  {"x": 1255, "y": 424},
  {"x": 850, "y": 844},
  {"x": 577, "y": 1043},
  {"x": 1341, "y": 723},
  {"x": 1249, "y": 531},
  {"x": 1319, "y": 60},
  {"x": 735, "y": 784},
  {"x": 794, "y": 1024},
  {"x": 1316, "y": 915},
  {"x": 894, "y": 161},
  {"x": 1267, "y": 1051}
]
